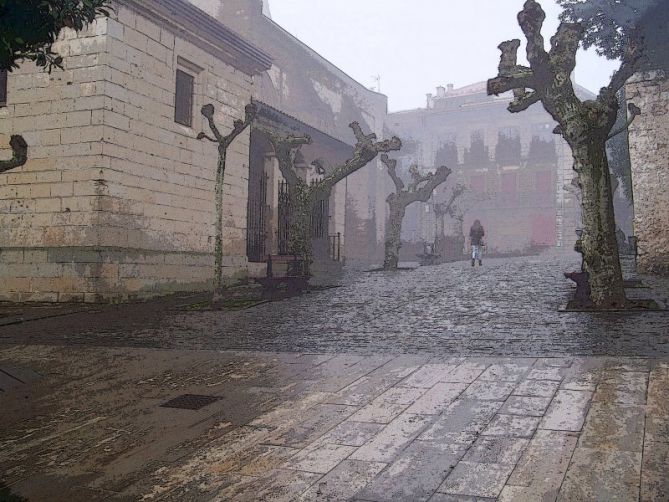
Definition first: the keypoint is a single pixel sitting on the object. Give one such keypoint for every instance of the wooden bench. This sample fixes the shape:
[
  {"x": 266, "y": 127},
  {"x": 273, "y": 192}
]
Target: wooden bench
[{"x": 285, "y": 271}]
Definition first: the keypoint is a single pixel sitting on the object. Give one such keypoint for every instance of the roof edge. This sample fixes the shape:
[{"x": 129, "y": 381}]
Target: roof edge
[{"x": 204, "y": 31}]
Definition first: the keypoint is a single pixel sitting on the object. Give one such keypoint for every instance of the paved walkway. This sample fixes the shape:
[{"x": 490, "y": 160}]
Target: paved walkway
[
  {"x": 334, "y": 427},
  {"x": 369, "y": 392}
]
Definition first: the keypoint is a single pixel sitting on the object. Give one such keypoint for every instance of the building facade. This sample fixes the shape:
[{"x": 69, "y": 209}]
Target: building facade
[
  {"x": 309, "y": 95},
  {"x": 517, "y": 172},
  {"x": 116, "y": 200}
]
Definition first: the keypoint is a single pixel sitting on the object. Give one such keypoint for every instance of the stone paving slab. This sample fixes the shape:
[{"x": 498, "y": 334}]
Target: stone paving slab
[
  {"x": 343, "y": 482},
  {"x": 614, "y": 426},
  {"x": 654, "y": 477},
  {"x": 416, "y": 474},
  {"x": 513, "y": 439},
  {"x": 393, "y": 439},
  {"x": 472, "y": 478},
  {"x": 437, "y": 399},
  {"x": 540, "y": 471},
  {"x": 567, "y": 411},
  {"x": 594, "y": 474}
]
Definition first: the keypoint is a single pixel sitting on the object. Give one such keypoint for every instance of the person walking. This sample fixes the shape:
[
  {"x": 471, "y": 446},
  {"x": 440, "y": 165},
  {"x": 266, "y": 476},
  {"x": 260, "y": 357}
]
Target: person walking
[{"x": 476, "y": 234}]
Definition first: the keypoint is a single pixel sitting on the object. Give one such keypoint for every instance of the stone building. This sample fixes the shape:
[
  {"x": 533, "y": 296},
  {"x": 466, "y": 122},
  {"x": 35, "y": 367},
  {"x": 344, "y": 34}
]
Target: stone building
[
  {"x": 649, "y": 158},
  {"x": 649, "y": 144},
  {"x": 303, "y": 93},
  {"x": 116, "y": 200},
  {"x": 518, "y": 172}
]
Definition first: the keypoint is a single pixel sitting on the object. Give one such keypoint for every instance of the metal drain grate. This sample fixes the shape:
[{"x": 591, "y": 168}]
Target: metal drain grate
[{"x": 190, "y": 402}]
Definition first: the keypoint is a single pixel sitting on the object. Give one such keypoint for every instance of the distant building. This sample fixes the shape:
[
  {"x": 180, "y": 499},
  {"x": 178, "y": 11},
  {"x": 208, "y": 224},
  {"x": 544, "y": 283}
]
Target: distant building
[{"x": 518, "y": 172}]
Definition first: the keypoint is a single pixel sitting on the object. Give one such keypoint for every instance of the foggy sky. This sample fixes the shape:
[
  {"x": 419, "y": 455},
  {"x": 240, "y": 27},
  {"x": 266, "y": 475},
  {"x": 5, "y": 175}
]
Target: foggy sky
[{"x": 416, "y": 45}]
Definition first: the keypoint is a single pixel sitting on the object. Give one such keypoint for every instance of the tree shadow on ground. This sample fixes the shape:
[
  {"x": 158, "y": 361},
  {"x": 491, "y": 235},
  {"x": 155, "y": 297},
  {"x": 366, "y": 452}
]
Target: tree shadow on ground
[{"x": 6, "y": 494}]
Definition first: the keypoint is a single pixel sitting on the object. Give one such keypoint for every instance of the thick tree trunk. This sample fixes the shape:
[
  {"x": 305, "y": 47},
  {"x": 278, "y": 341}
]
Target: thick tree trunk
[
  {"x": 394, "y": 233},
  {"x": 598, "y": 242},
  {"x": 301, "y": 201}
]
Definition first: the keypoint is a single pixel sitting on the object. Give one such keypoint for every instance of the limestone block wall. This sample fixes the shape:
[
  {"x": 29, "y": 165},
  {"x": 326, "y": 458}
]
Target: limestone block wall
[
  {"x": 117, "y": 199},
  {"x": 649, "y": 156},
  {"x": 53, "y": 201}
]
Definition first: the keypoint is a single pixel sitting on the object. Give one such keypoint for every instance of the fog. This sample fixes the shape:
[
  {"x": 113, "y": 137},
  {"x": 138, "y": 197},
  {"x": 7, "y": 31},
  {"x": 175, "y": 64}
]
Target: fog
[{"x": 416, "y": 46}]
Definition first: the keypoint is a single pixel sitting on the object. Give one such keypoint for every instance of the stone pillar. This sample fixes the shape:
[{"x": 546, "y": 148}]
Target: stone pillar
[{"x": 649, "y": 157}]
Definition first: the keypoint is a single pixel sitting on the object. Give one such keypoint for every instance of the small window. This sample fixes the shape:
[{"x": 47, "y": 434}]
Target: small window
[
  {"x": 3, "y": 87},
  {"x": 183, "y": 100}
]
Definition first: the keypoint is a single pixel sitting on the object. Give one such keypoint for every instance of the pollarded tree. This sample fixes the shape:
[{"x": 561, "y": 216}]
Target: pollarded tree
[
  {"x": 28, "y": 29},
  {"x": 448, "y": 246},
  {"x": 585, "y": 125},
  {"x": 305, "y": 196},
  {"x": 447, "y": 208},
  {"x": 223, "y": 143},
  {"x": 419, "y": 190}
]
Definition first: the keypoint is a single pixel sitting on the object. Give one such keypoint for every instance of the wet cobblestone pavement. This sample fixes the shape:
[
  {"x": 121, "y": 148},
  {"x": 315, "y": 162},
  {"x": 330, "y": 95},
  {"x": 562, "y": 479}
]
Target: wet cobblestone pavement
[
  {"x": 442, "y": 384},
  {"x": 506, "y": 307}
]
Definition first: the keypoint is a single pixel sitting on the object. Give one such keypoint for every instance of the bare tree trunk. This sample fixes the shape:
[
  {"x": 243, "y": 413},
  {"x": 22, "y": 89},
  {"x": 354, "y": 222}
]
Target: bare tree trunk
[
  {"x": 598, "y": 242},
  {"x": 394, "y": 232},
  {"x": 299, "y": 236},
  {"x": 218, "y": 247}
]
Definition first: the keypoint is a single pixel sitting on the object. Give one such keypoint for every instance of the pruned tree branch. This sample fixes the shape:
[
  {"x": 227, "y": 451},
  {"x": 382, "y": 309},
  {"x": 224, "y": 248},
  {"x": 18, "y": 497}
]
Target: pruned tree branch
[
  {"x": 512, "y": 77},
  {"x": 19, "y": 154},
  {"x": 366, "y": 150},
  {"x": 564, "y": 45},
  {"x": 443, "y": 208},
  {"x": 237, "y": 128},
  {"x": 531, "y": 19},
  {"x": 524, "y": 101},
  {"x": 417, "y": 178},
  {"x": 285, "y": 148},
  {"x": 423, "y": 193},
  {"x": 391, "y": 164},
  {"x": 634, "y": 111},
  {"x": 628, "y": 66},
  {"x": 208, "y": 112}
]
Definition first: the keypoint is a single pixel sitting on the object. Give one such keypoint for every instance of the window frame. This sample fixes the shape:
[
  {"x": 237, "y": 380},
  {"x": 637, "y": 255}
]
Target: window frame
[{"x": 188, "y": 120}]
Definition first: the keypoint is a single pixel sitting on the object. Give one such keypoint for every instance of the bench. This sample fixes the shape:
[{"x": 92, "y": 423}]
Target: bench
[
  {"x": 582, "y": 294},
  {"x": 285, "y": 271},
  {"x": 428, "y": 259},
  {"x": 428, "y": 256}
]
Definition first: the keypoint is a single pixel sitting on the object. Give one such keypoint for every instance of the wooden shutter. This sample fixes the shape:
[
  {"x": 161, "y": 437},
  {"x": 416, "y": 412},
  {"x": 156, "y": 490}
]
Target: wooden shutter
[{"x": 183, "y": 100}]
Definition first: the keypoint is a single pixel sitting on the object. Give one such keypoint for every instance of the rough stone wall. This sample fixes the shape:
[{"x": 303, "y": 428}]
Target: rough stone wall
[
  {"x": 649, "y": 156},
  {"x": 117, "y": 199},
  {"x": 52, "y": 202}
]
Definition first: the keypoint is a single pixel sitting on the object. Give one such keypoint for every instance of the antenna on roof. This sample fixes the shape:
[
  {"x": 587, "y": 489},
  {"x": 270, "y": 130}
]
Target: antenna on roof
[{"x": 377, "y": 79}]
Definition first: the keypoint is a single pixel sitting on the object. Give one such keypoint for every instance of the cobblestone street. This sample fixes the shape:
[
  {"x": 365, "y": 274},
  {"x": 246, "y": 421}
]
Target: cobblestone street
[
  {"x": 507, "y": 307},
  {"x": 444, "y": 383}
]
